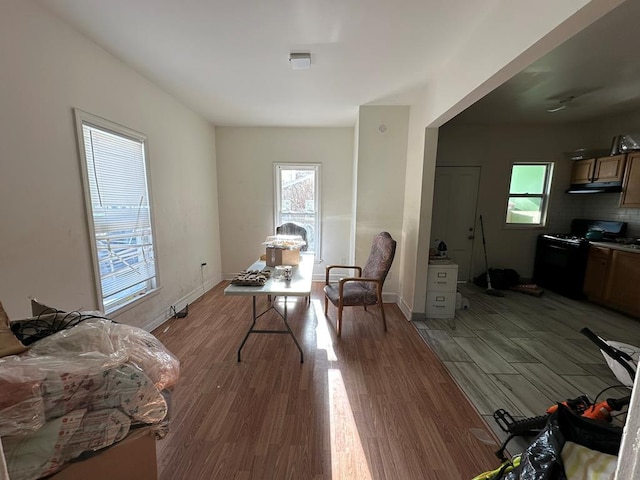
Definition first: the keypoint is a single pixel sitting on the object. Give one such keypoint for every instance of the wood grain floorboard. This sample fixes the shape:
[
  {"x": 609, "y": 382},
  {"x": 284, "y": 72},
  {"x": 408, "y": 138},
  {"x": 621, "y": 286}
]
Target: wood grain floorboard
[{"x": 369, "y": 404}]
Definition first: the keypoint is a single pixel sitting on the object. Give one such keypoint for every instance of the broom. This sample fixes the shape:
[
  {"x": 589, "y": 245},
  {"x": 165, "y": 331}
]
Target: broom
[{"x": 490, "y": 289}]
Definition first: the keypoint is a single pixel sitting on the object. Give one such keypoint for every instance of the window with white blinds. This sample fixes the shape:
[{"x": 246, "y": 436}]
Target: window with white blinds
[{"x": 119, "y": 209}]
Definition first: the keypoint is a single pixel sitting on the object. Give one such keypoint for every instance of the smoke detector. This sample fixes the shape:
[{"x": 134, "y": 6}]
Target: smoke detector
[{"x": 300, "y": 61}]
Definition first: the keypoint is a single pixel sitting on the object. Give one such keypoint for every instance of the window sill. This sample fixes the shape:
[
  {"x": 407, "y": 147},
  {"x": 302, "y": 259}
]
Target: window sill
[{"x": 133, "y": 303}]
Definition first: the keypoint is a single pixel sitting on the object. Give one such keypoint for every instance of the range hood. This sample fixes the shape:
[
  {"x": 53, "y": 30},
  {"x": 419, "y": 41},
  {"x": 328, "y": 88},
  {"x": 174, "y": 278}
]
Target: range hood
[{"x": 595, "y": 187}]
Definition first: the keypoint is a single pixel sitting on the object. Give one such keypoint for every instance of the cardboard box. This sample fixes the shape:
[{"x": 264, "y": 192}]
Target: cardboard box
[
  {"x": 282, "y": 256},
  {"x": 133, "y": 458}
]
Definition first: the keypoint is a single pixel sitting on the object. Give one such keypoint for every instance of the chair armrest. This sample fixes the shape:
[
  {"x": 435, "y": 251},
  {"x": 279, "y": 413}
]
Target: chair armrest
[
  {"x": 377, "y": 281},
  {"x": 329, "y": 267}
]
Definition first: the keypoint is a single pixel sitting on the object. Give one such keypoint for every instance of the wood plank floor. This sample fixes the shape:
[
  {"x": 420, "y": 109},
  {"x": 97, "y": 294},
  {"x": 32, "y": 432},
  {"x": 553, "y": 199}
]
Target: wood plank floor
[
  {"x": 523, "y": 353},
  {"x": 370, "y": 405}
]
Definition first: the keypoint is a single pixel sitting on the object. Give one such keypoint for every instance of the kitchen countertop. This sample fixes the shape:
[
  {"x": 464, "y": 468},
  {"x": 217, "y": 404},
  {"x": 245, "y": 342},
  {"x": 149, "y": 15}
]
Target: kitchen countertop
[{"x": 617, "y": 246}]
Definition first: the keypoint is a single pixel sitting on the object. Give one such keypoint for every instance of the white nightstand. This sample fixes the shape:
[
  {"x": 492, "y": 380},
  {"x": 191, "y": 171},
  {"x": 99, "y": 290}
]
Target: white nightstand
[{"x": 442, "y": 283}]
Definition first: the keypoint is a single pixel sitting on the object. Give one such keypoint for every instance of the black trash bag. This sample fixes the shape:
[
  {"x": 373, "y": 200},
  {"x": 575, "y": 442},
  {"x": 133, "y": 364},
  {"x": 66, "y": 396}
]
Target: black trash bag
[
  {"x": 501, "y": 278},
  {"x": 541, "y": 460}
]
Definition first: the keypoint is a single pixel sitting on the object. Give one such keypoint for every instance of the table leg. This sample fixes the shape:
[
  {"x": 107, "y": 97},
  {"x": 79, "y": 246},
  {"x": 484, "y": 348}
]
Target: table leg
[
  {"x": 253, "y": 324},
  {"x": 284, "y": 317}
]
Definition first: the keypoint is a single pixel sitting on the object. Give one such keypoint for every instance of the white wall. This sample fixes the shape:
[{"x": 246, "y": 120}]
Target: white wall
[
  {"x": 500, "y": 46},
  {"x": 245, "y": 185},
  {"x": 382, "y": 159},
  {"x": 494, "y": 149},
  {"x": 47, "y": 69}
]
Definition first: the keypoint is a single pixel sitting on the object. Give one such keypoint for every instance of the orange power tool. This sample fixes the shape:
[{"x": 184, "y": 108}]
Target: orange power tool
[{"x": 598, "y": 411}]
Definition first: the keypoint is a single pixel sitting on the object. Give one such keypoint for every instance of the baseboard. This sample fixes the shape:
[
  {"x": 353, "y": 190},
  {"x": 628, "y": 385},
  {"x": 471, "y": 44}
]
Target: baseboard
[
  {"x": 406, "y": 311},
  {"x": 162, "y": 316}
]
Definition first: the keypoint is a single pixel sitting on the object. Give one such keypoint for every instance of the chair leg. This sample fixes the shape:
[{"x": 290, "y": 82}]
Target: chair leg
[
  {"x": 365, "y": 306},
  {"x": 339, "y": 324},
  {"x": 326, "y": 305},
  {"x": 384, "y": 319}
]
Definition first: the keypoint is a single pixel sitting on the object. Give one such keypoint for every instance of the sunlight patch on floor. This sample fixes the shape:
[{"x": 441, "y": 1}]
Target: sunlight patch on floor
[
  {"x": 348, "y": 460},
  {"x": 323, "y": 335}
]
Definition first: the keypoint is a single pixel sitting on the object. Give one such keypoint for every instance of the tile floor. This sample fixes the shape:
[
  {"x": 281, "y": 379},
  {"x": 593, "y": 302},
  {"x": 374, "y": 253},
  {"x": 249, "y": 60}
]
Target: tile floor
[{"x": 524, "y": 353}]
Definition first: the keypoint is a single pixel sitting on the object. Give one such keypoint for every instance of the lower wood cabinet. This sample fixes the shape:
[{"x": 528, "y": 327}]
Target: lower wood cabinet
[
  {"x": 596, "y": 275},
  {"x": 613, "y": 279},
  {"x": 623, "y": 281}
]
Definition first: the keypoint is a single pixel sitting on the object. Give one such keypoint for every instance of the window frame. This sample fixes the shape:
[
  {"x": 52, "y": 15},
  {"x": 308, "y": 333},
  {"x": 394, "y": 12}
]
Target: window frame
[
  {"x": 544, "y": 196},
  {"x": 83, "y": 118},
  {"x": 277, "y": 207}
]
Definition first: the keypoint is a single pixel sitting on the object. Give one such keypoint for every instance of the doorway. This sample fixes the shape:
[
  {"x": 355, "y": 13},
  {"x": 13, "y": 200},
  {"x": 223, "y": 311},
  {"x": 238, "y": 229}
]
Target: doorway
[{"x": 455, "y": 201}]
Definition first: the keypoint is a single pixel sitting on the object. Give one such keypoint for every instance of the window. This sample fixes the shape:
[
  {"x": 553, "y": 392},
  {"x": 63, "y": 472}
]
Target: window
[
  {"x": 529, "y": 193},
  {"x": 115, "y": 174},
  {"x": 297, "y": 191}
]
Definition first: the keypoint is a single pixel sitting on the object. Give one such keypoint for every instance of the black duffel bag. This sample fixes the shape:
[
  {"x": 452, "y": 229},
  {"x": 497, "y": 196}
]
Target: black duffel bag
[{"x": 542, "y": 461}]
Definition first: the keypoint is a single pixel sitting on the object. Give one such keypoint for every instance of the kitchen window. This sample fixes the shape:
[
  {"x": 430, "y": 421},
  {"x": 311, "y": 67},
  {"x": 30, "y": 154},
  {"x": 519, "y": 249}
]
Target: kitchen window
[
  {"x": 115, "y": 174},
  {"x": 529, "y": 194},
  {"x": 297, "y": 199}
]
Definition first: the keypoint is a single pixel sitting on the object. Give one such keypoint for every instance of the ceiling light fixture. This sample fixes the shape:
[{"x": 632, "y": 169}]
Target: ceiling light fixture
[
  {"x": 556, "y": 109},
  {"x": 300, "y": 61},
  {"x": 562, "y": 104}
]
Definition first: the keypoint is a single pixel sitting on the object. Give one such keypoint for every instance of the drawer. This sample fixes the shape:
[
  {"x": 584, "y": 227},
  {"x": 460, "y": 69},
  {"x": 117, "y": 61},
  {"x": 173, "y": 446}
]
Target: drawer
[
  {"x": 442, "y": 279},
  {"x": 441, "y": 304}
]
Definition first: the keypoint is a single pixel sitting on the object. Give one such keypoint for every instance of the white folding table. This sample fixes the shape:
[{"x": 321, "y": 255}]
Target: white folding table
[{"x": 298, "y": 286}]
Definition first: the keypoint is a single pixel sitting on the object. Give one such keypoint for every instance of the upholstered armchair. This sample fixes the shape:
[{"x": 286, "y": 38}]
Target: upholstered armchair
[
  {"x": 366, "y": 287},
  {"x": 291, "y": 228}
]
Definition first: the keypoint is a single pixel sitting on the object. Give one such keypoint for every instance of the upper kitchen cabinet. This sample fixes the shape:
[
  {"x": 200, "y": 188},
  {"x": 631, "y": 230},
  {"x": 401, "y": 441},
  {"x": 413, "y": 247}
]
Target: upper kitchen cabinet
[
  {"x": 631, "y": 186},
  {"x": 600, "y": 170},
  {"x": 582, "y": 171}
]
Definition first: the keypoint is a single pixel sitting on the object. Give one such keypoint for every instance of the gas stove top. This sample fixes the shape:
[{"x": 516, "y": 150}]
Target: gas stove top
[
  {"x": 579, "y": 227},
  {"x": 566, "y": 238}
]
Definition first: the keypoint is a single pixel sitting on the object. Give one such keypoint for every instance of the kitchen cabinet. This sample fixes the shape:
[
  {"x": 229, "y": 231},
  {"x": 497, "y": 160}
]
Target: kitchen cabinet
[
  {"x": 582, "y": 171},
  {"x": 442, "y": 286},
  {"x": 623, "y": 281},
  {"x": 612, "y": 278},
  {"x": 600, "y": 170},
  {"x": 596, "y": 273},
  {"x": 631, "y": 186}
]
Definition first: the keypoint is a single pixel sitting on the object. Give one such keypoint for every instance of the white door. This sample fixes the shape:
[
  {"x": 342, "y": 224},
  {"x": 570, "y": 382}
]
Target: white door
[{"x": 454, "y": 213}]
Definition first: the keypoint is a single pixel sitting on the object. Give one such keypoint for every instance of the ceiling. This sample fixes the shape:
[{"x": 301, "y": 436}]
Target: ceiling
[
  {"x": 229, "y": 60},
  {"x": 594, "y": 74}
]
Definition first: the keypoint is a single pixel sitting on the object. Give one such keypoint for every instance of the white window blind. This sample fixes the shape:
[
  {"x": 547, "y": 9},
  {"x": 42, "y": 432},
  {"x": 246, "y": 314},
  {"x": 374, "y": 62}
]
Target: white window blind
[{"x": 120, "y": 213}]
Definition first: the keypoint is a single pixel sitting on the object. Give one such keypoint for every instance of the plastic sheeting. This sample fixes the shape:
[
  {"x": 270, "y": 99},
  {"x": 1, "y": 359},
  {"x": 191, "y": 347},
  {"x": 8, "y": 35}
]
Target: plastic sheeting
[{"x": 97, "y": 370}]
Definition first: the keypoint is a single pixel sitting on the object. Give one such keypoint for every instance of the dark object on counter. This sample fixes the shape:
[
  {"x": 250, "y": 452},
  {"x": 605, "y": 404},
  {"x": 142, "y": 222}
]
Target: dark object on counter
[{"x": 595, "y": 234}]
